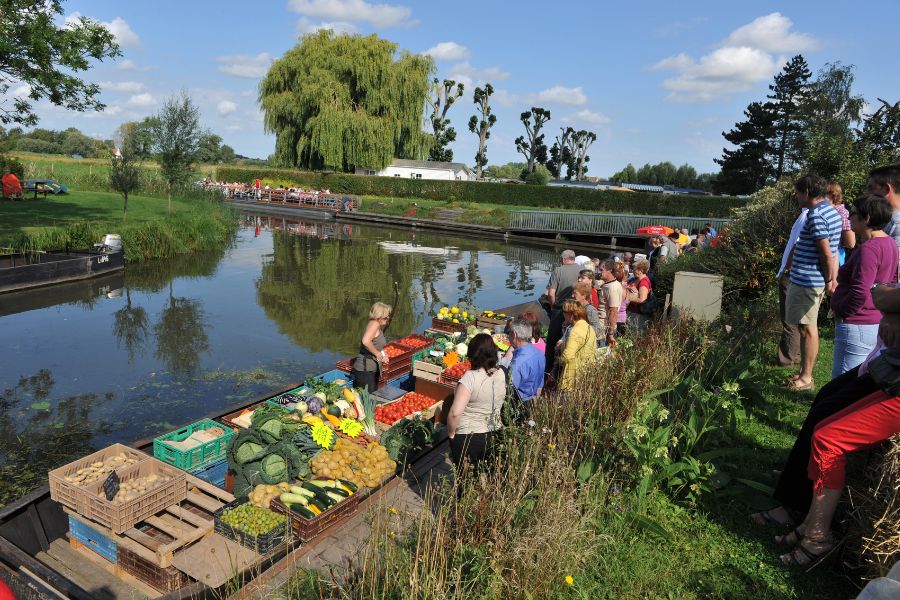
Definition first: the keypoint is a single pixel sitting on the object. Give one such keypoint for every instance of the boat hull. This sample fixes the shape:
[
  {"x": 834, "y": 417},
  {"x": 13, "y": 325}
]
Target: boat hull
[{"x": 24, "y": 271}]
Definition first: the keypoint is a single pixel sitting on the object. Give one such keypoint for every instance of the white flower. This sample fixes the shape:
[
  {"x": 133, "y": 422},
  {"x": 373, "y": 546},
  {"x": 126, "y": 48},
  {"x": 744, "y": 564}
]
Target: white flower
[
  {"x": 663, "y": 414},
  {"x": 531, "y": 423}
]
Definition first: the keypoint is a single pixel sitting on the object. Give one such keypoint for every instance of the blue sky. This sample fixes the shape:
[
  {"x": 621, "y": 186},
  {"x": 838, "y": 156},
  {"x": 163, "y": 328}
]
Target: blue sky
[{"x": 656, "y": 80}]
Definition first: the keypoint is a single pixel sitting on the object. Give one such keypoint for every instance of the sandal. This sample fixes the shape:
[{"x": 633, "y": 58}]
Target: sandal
[
  {"x": 794, "y": 386},
  {"x": 791, "y": 538},
  {"x": 807, "y": 557},
  {"x": 765, "y": 518}
]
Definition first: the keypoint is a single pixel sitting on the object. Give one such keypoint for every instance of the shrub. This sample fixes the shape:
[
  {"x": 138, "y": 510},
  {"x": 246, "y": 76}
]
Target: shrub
[
  {"x": 493, "y": 193},
  {"x": 8, "y": 162}
]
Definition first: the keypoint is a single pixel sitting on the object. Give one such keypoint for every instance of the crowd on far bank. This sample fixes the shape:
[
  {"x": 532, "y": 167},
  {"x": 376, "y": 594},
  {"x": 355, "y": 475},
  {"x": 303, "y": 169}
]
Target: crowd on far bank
[{"x": 260, "y": 191}]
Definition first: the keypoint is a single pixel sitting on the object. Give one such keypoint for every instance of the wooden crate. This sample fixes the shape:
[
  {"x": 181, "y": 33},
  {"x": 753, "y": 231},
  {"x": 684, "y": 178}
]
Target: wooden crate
[
  {"x": 164, "y": 579},
  {"x": 159, "y": 537},
  {"x": 72, "y": 495},
  {"x": 483, "y": 322},
  {"x": 119, "y": 517},
  {"x": 427, "y": 371},
  {"x": 447, "y": 326},
  {"x": 304, "y": 529}
]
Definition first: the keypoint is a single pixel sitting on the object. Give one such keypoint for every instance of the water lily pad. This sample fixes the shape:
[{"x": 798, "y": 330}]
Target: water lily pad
[{"x": 40, "y": 406}]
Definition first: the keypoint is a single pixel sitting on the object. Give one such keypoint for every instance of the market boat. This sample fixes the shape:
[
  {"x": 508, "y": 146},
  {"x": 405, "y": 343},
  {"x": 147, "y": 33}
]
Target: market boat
[{"x": 20, "y": 271}]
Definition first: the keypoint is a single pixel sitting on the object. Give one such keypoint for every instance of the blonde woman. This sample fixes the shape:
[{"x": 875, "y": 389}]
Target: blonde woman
[
  {"x": 835, "y": 195},
  {"x": 372, "y": 358},
  {"x": 580, "y": 348}
]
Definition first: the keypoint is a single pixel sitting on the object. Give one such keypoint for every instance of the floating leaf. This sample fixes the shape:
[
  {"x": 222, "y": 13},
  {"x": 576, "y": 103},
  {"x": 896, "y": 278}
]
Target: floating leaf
[{"x": 40, "y": 406}]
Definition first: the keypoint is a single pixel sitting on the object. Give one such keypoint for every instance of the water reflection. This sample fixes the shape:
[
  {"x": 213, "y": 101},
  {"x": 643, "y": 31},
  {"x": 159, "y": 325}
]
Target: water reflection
[
  {"x": 181, "y": 335},
  {"x": 130, "y": 326},
  {"x": 85, "y": 292}
]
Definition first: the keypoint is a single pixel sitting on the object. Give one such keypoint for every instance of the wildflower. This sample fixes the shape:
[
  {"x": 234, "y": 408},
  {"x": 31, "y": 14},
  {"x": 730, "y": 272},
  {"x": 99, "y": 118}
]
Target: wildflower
[
  {"x": 570, "y": 580},
  {"x": 661, "y": 452},
  {"x": 551, "y": 445},
  {"x": 695, "y": 488},
  {"x": 614, "y": 490},
  {"x": 393, "y": 510},
  {"x": 392, "y": 533},
  {"x": 531, "y": 423},
  {"x": 731, "y": 388},
  {"x": 663, "y": 415},
  {"x": 717, "y": 390}
]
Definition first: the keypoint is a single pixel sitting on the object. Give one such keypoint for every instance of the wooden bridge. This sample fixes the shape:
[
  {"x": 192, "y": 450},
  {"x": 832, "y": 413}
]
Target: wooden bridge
[{"x": 606, "y": 225}]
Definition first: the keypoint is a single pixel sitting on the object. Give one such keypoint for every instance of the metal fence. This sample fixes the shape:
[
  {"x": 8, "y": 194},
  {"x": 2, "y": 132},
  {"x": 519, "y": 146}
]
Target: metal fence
[{"x": 601, "y": 223}]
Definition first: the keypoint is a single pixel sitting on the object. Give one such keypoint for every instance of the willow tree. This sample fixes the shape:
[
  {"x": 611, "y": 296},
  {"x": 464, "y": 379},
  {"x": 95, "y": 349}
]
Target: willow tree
[{"x": 338, "y": 102}]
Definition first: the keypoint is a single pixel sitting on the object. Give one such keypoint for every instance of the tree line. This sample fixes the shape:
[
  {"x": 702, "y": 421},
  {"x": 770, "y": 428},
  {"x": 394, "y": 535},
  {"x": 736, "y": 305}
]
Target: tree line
[{"x": 809, "y": 124}]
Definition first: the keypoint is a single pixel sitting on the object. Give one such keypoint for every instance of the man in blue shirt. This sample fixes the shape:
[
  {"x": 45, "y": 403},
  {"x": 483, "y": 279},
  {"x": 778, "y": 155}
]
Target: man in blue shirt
[
  {"x": 813, "y": 272},
  {"x": 527, "y": 367}
]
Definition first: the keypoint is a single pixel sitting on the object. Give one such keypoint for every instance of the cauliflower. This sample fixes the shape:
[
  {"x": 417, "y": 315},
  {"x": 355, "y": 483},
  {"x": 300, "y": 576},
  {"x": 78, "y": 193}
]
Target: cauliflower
[{"x": 462, "y": 349}]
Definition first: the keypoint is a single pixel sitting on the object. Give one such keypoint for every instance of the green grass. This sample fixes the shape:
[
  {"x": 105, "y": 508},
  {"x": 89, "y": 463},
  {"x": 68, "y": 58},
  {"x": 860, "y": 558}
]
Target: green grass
[
  {"x": 80, "y": 218},
  {"x": 496, "y": 215}
]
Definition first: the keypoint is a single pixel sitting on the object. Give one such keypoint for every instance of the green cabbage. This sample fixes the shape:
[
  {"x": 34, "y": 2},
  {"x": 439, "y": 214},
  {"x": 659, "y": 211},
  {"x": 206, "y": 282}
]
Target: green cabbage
[
  {"x": 274, "y": 469},
  {"x": 246, "y": 451}
]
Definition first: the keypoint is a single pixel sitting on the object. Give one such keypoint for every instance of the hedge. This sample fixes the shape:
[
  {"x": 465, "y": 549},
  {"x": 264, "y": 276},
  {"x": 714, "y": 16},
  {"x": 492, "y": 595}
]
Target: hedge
[{"x": 644, "y": 203}]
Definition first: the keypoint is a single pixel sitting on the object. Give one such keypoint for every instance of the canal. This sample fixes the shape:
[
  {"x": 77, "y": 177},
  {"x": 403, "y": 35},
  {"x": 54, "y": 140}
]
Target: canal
[{"x": 135, "y": 355}]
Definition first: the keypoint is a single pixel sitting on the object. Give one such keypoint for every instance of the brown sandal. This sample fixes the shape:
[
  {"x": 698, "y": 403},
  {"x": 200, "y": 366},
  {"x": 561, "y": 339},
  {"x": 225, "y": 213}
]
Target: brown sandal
[
  {"x": 794, "y": 386},
  {"x": 809, "y": 558}
]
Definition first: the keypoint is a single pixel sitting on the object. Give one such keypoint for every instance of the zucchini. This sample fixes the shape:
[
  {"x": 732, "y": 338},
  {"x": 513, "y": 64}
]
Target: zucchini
[
  {"x": 331, "y": 485},
  {"x": 318, "y": 504},
  {"x": 320, "y": 494},
  {"x": 288, "y": 498},
  {"x": 353, "y": 487},
  {"x": 303, "y": 512},
  {"x": 302, "y": 491},
  {"x": 335, "y": 496}
]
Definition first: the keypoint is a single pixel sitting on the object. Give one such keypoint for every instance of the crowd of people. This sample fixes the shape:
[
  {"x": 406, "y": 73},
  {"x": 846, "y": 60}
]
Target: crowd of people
[
  {"x": 848, "y": 253},
  {"x": 260, "y": 191}
]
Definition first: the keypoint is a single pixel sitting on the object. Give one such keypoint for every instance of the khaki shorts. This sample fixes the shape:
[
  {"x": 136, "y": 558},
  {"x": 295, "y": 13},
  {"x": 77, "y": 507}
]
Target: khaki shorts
[{"x": 802, "y": 304}]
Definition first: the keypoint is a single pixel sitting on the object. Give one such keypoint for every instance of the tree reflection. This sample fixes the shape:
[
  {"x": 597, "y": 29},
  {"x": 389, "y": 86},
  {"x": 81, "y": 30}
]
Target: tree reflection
[
  {"x": 181, "y": 335},
  {"x": 154, "y": 275},
  {"x": 36, "y": 437},
  {"x": 520, "y": 278},
  {"x": 319, "y": 293},
  {"x": 130, "y": 326},
  {"x": 469, "y": 278}
]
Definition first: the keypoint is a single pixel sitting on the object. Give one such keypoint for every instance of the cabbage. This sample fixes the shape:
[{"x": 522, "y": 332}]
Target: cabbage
[
  {"x": 247, "y": 451},
  {"x": 273, "y": 469},
  {"x": 315, "y": 404}
]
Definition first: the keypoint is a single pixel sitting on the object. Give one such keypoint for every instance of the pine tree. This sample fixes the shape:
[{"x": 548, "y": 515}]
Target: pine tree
[
  {"x": 789, "y": 98},
  {"x": 747, "y": 168}
]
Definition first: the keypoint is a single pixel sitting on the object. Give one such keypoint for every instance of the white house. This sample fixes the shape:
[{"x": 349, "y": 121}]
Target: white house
[{"x": 422, "y": 169}]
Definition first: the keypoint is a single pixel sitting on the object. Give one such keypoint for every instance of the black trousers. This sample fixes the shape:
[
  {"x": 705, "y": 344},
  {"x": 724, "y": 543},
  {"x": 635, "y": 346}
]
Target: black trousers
[
  {"x": 473, "y": 448},
  {"x": 795, "y": 489},
  {"x": 365, "y": 379},
  {"x": 554, "y": 334}
]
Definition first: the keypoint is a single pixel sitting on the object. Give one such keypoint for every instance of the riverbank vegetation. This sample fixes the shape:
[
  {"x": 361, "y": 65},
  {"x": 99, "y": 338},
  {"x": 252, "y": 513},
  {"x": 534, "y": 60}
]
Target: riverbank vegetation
[
  {"x": 81, "y": 218},
  {"x": 640, "y": 483}
]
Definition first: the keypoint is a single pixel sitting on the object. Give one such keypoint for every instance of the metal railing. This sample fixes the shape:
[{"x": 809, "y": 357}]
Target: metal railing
[{"x": 601, "y": 223}]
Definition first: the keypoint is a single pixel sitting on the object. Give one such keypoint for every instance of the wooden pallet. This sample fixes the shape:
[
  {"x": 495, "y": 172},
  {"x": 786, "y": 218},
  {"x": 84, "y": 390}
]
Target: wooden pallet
[{"x": 160, "y": 536}]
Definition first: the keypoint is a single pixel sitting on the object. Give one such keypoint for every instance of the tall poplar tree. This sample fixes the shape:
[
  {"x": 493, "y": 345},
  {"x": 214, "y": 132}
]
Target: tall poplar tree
[
  {"x": 533, "y": 147},
  {"x": 345, "y": 101},
  {"x": 482, "y": 125},
  {"x": 443, "y": 98}
]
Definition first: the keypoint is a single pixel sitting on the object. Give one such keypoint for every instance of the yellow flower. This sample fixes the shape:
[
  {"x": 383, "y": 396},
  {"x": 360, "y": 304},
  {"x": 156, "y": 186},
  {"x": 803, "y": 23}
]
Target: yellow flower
[
  {"x": 454, "y": 310},
  {"x": 444, "y": 310},
  {"x": 465, "y": 315},
  {"x": 456, "y": 320},
  {"x": 393, "y": 510},
  {"x": 551, "y": 446},
  {"x": 570, "y": 580}
]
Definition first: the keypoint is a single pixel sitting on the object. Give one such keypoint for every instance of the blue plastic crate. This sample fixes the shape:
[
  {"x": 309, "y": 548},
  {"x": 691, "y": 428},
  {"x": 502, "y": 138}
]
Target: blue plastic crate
[
  {"x": 214, "y": 473},
  {"x": 331, "y": 376},
  {"x": 404, "y": 382},
  {"x": 93, "y": 539}
]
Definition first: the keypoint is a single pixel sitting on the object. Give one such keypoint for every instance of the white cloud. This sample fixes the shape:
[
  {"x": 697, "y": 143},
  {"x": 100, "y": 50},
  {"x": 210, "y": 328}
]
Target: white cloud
[
  {"x": 121, "y": 86},
  {"x": 467, "y": 74},
  {"x": 743, "y": 60},
  {"x": 448, "y": 51},
  {"x": 119, "y": 27},
  {"x": 354, "y": 11},
  {"x": 771, "y": 33},
  {"x": 587, "y": 116},
  {"x": 226, "y": 107},
  {"x": 141, "y": 100},
  {"x": 305, "y": 25},
  {"x": 559, "y": 95},
  {"x": 111, "y": 110},
  {"x": 249, "y": 67},
  {"x": 126, "y": 65}
]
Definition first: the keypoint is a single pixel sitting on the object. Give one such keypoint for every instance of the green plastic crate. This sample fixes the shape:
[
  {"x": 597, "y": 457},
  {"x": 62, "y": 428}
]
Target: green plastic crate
[{"x": 195, "y": 458}]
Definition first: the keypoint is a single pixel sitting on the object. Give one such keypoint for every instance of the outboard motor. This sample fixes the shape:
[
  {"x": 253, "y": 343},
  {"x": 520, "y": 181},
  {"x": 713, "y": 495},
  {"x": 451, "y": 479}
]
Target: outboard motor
[{"x": 112, "y": 242}]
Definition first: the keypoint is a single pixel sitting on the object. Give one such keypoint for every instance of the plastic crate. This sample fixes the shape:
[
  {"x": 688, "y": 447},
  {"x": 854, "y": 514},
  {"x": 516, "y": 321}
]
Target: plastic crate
[
  {"x": 119, "y": 517},
  {"x": 93, "y": 539},
  {"x": 403, "y": 382},
  {"x": 164, "y": 579},
  {"x": 197, "y": 457},
  {"x": 289, "y": 399},
  {"x": 214, "y": 473},
  {"x": 426, "y": 342},
  {"x": 262, "y": 544},
  {"x": 304, "y": 529},
  {"x": 334, "y": 375},
  {"x": 71, "y": 495},
  {"x": 394, "y": 370},
  {"x": 230, "y": 417}
]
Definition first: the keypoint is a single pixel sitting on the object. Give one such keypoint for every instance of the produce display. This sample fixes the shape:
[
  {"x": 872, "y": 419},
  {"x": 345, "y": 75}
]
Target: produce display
[
  {"x": 253, "y": 520},
  {"x": 457, "y": 370},
  {"x": 461, "y": 313},
  {"x": 100, "y": 469},
  {"x": 407, "y": 438},
  {"x": 361, "y": 466},
  {"x": 263, "y": 494},
  {"x": 406, "y": 405},
  {"x": 131, "y": 489},
  {"x": 412, "y": 342},
  {"x": 314, "y": 497},
  {"x": 394, "y": 351}
]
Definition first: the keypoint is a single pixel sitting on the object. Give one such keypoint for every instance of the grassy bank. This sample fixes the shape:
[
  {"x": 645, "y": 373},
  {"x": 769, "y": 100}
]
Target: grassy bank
[
  {"x": 476, "y": 213},
  {"x": 81, "y": 218}
]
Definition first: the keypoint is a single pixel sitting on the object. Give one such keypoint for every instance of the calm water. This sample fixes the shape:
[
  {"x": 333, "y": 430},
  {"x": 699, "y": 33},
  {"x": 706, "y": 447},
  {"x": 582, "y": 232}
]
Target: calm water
[{"x": 135, "y": 355}]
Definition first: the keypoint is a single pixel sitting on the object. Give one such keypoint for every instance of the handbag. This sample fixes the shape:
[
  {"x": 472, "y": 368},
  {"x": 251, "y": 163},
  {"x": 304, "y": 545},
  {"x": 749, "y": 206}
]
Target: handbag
[
  {"x": 885, "y": 371},
  {"x": 650, "y": 304}
]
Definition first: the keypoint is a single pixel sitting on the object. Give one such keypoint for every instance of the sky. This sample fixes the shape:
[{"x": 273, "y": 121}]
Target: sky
[{"x": 655, "y": 80}]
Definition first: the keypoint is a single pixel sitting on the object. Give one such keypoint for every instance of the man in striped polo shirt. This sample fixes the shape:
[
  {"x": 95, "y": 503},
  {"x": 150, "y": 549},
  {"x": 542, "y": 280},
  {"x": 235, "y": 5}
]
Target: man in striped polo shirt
[{"x": 813, "y": 267}]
